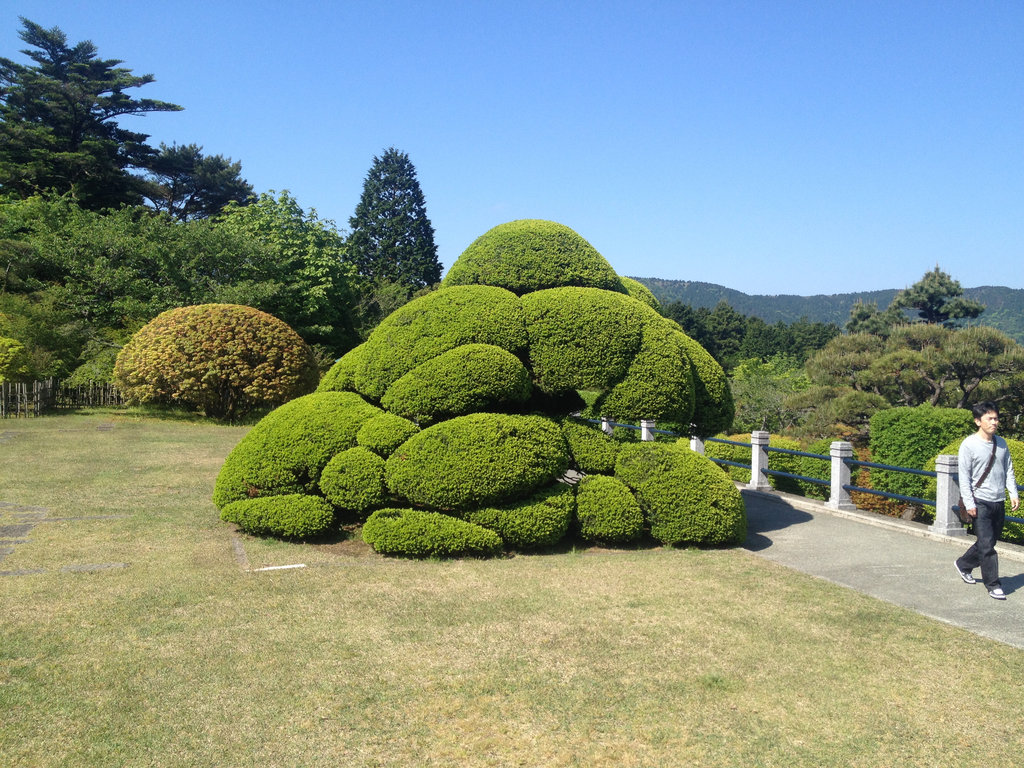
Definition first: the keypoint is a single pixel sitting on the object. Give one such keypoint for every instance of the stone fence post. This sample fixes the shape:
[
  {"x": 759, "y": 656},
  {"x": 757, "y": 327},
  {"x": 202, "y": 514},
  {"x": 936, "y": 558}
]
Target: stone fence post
[
  {"x": 606, "y": 426},
  {"x": 947, "y": 493},
  {"x": 839, "y": 497},
  {"x": 647, "y": 430},
  {"x": 697, "y": 445},
  {"x": 759, "y": 461}
]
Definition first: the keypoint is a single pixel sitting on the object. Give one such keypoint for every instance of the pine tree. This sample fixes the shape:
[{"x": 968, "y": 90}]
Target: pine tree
[
  {"x": 938, "y": 299},
  {"x": 392, "y": 238}
]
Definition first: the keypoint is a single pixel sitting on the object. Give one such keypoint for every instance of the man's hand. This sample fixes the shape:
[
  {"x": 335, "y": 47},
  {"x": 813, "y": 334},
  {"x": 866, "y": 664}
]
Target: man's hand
[
  {"x": 972, "y": 512},
  {"x": 1014, "y": 503}
]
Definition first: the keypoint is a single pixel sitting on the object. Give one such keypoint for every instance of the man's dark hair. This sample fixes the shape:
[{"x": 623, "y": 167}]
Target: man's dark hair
[{"x": 985, "y": 406}]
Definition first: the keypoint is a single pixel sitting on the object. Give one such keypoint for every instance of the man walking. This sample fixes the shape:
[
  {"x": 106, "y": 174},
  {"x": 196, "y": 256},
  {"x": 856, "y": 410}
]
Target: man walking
[{"x": 986, "y": 475}]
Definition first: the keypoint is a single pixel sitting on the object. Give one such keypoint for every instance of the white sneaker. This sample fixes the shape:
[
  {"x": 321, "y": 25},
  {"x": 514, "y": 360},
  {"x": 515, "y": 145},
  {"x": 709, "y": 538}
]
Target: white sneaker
[
  {"x": 965, "y": 575},
  {"x": 997, "y": 593}
]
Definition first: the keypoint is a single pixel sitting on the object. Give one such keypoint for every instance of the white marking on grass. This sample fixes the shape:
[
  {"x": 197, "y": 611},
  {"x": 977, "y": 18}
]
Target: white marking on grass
[{"x": 279, "y": 567}]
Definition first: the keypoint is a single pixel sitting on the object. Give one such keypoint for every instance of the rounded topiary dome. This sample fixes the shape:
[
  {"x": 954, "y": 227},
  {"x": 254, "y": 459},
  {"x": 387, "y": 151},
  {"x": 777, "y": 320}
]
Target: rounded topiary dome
[{"x": 530, "y": 255}]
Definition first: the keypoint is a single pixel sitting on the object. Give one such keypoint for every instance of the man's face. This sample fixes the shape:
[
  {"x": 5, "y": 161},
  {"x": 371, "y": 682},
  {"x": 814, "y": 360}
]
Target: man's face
[{"x": 988, "y": 423}]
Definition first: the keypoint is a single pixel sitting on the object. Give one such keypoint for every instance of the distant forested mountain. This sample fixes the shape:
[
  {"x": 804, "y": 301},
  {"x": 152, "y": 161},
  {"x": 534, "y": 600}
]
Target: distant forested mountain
[{"x": 1004, "y": 307}]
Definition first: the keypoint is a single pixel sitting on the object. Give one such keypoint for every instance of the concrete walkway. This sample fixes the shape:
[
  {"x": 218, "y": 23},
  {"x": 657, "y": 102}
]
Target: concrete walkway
[{"x": 894, "y": 560}]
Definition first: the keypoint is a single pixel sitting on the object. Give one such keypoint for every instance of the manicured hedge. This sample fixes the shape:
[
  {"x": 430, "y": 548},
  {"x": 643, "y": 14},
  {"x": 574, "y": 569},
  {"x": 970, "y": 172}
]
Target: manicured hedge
[
  {"x": 608, "y": 511},
  {"x": 417, "y": 533},
  {"x": 383, "y": 433},
  {"x": 713, "y": 406},
  {"x": 342, "y": 375},
  {"x": 435, "y": 323},
  {"x": 531, "y": 255},
  {"x": 659, "y": 382},
  {"x": 686, "y": 499},
  {"x": 592, "y": 450},
  {"x": 540, "y": 521},
  {"x": 581, "y": 338},
  {"x": 286, "y": 451},
  {"x": 908, "y": 437},
  {"x": 291, "y": 516},
  {"x": 354, "y": 481},
  {"x": 467, "y": 379},
  {"x": 225, "y": 359},
  {"x": 478, "y": 460},
  {"x": 640, "y": 292}
]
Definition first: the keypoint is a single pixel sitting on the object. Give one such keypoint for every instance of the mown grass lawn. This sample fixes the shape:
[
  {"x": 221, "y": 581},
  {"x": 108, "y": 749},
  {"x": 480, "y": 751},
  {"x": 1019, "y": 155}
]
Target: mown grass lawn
[{"x": 131, "y": 634}]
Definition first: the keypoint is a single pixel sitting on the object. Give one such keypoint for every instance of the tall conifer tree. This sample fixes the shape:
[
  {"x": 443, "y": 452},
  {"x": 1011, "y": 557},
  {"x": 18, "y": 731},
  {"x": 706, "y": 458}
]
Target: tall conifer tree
[{"x": 392, "y": 238}]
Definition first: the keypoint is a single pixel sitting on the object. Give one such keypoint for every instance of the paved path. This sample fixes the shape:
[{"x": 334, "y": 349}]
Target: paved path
[{"x": 893, "y": 560}]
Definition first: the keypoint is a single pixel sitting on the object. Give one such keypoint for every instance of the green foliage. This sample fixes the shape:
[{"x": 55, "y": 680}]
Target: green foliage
[
  {"x": 433, "y": 324},
  {"x": 762, "y": 390},
  {"x": 225, "y": 359},
  {"x": 659, "y": 381},
  {"x": 341, "y": 377},
  {"x": 640, "y": 292},
  {"x": 353, "y": 480},
  {"x": 288, "y": 449},
  {"x": 531, "y": 255},
  {"x": 686, "y": 498},
  {"x": 592, "y": 450},
  {"x": 607, "y": 510},
  {"x": 187, "y": 184},
  {"x": 582, "y": 338},
  {"x": 469, "y": 378},
  {"x": 820, "y": 468},
  {"x": 781, "y": 462},
  {"x": 14, "y": 362},
  {"x": 392, "y": 238},
  {"x": 418, "y": 533},
  {"x": 713, "y": 407},
  {"x": 291, "y": 516},
  {"x": 384, "y": 433},
  {"x": 477, "y": 460},
  {"x": 58, "y": 122},
  {"x": 539, "y": 521},
  {"x": 908, "y": 437},
  {"x": 938, "y": 299}
]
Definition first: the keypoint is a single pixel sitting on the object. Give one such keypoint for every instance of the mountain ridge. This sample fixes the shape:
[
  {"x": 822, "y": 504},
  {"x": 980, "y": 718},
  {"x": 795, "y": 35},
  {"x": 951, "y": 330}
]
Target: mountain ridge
[{"x": 1004, "y": 307}]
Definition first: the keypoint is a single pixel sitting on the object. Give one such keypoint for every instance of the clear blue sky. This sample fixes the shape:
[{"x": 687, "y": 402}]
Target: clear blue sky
[{"x": 773, "y": 147}]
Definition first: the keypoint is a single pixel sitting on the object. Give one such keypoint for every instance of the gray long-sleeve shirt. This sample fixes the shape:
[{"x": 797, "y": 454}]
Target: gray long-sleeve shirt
[{"x": 972, "y": 459}]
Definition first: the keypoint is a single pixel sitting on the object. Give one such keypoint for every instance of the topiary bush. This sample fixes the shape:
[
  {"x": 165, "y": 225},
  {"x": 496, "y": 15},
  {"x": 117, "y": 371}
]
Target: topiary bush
[
  {"x": 467, "y": 379},
  {"x": 640, "y": 292},
  {"x": 908, "y": 437},
  {"x": 286, "y": 451},
  {"x": 341, "y": 377},
  {"x": 591, "y": 449},
  {"x": 354, "y": 481},
  {"x": 540, "y": 521},
  {"x": 224, "y": 359},
  {"x": 383, "y": 433},
  {"x": 418, "y": 533},
  {"x": 713, "y": 406},
  {"x": 531, "y": 255},
  {"x": 685, "y": 497},
  {"x": 608, "y": 511},
  {"x": 291, "y": 516},
  {"x": 477, "y": 460}
]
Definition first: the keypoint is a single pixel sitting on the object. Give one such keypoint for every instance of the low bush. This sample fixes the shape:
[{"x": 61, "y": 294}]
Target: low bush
[
  {"x": 540, "y": 521},
  {"x": 908, "y": 437},
  {"x": 607, "y": 510},
  {"x": 225, "y": 359},
  {"x": 354, "y": 481},
  {"x": 477, "y": 460},
  {"x": 467, "y": 379},
  {"x": 383, "y": 433},
  {"x": 685, "y": 497},
  {"x": 435, "y": 323},
  {"x": 417, "y": 533},
  {"x": 286, "y": 451},
  {"x": 531, "y": 255},
  {"x": 291, "y": 516},
  {"x": 591, "y": 449}
]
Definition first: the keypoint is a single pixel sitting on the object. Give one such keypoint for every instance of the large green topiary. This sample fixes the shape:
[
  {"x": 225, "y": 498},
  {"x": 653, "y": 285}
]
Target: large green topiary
[
  {"x": 640, "y": 292},
  {"x": 539, "y": 521},
  {"x": 713, "y": 407},
  {"x": 607, "y": 510},
  {"x": 418, "y": 533},
  {"x": 292, "y": 516},
  {"x": 477, "y": 460},
  {"x": 435, "y": 323},
  {"x": 591, "y": 449},
  {"x": 225, "y": 359},
  {"x": 531, "y": 255},
  {"x": 383, "y": 433},
  {"x": 686, "y": 498},
  {"x": 354, "y": 481},
  {"x": 342, "y": 375},
  {"x": 467, "y": 379},
  {"x": 288, "y": 449}
]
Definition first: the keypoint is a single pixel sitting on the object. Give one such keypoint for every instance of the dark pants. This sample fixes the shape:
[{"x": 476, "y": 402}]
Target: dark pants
[{"x": 988, "y": 526}]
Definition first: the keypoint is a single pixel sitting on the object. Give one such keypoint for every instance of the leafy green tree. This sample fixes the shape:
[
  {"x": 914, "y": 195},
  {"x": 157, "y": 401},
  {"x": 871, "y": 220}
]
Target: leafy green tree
[
  {"x": 392, "y": 239},
  {"x": 187, "y": 184},
  {"x": 761, "y": 390},
  {"x": 59, "y": 122},
  {"x": 939, "y": 299},
  {"x": 866, "y": 318}
]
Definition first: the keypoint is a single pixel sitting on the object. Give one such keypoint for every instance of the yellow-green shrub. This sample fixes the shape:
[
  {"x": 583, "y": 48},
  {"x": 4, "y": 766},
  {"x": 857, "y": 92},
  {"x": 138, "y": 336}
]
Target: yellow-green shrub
[
  {"x": 354, "y": 480},
  {"x": 607, "y": 510},
  {"x": 292, "y": 516},
  {"x": 418, "y": 533},
  {"x": 539, "y": 521}
]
